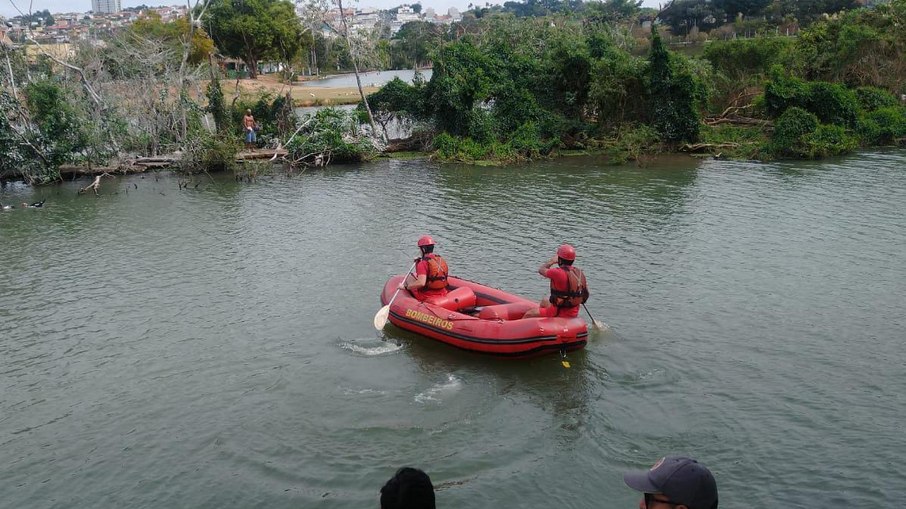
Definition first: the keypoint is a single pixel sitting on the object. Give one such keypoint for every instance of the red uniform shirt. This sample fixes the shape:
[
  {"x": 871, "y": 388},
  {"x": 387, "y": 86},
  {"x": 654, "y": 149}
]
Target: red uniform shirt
[
  {"x": 421, "y": 268},
  {"x": 559, "y": 281}
]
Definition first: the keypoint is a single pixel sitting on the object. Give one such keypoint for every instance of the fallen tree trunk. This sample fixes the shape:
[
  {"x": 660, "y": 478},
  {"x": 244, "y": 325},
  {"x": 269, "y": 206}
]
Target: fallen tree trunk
[
  {"x": 736, "y": 120},
  {"x": 703, "y": 147}
]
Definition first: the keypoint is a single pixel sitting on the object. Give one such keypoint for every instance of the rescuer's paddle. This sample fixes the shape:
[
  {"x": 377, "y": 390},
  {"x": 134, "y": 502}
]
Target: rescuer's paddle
[
  {"x": 598, "y": 325},
  {"x": 380, "y": 319}
]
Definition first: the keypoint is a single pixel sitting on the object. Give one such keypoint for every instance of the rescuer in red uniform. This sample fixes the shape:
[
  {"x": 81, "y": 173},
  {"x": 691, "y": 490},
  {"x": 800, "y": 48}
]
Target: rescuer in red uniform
[
  {"x": 569, "y": 289},
  {"x": 430, "y": 278}
]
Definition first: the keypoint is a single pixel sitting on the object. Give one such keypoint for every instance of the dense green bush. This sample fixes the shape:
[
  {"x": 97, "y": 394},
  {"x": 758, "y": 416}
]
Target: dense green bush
[
  {"x": 398, "y": 96},
  {"x": 217, "y": 107},
  {"x": 883, "y": 126},
  {"x": 618, "y": 88},
  {"x": 675, "y": 94},
  {"x": 789, "y": 131},
  {"x": 208, "y": 152},
  {"x": 783, "y": 91},
  {"x": 61, "y": 136},
  {"x": 743, "y": 58},
  {"x": 331, "y": 135},
  {"x": 528, "y": 143},
  {"x": 873, "y": 98},
  {"x": 828, "y": 140},
  {"x": 797, "y": 133},
  {"x": 832, "y": 103},
  {"x": 631, "y": 142}
]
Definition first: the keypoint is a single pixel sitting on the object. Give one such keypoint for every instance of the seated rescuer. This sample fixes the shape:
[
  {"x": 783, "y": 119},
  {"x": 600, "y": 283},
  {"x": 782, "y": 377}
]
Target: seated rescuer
[
  {"x": 430, "y": 278},
  {"x": 568, "y": 286},
  {"x": 674, "y": 482}
]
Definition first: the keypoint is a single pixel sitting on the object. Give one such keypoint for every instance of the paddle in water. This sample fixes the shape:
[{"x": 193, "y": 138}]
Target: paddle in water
[
  {"x": 597, "y": 324},
  {"x": 380, "y": 319}
]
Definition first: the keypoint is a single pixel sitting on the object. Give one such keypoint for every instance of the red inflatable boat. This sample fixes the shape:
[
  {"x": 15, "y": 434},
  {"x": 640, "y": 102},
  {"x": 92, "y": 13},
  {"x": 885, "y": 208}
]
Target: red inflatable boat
[{"x": 482, "y": 319}]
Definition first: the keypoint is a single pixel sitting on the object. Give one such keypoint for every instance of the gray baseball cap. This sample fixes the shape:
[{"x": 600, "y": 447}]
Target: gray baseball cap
[{"x": 681, "y": 479}]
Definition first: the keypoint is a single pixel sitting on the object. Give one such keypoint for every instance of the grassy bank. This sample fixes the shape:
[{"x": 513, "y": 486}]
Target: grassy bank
[{"x": 301, "y": 95}]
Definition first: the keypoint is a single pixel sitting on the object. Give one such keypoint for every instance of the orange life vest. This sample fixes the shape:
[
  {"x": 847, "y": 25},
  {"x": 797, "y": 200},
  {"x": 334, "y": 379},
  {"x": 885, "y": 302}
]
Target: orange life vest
[
  {"x": 437, "y": 272},
  {"x": 576, "y": 291}
]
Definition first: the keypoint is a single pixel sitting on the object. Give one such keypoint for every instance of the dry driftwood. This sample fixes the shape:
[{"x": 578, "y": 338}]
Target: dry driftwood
[
  {"x": 264, "y": 153},
  {"x": 702, "y": 147},
  {"x": 94, "y": 185},
  {"x": 737, "y": 120}
]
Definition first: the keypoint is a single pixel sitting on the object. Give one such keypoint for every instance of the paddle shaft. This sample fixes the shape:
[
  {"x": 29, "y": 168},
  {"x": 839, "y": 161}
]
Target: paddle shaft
[
  {"x": 593, "y": 321},
  {"x": 397, "y": 292}
]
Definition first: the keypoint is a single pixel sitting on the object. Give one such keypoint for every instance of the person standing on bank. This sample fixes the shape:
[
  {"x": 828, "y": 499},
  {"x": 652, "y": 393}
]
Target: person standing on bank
[
  {"x": 569, "y": 290},
  {"x": 674, "y": 482},
  {"x": 249, "y": 124},
  {"x": 430, "y": 278}
]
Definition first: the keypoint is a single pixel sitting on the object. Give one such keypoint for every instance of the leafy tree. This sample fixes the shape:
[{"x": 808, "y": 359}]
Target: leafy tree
[
  {"x": 461, "y": 80},
  {"x": 254, "y": 30},
  {"x": 611, "y": 11},
  {"x": 414, "y": 42},
  {"x": 744, "y": 7},
  {"x": 865, "y": 47},
  {"x": 59, "y": 137},
  {"x": 173, "y": 34},
  {"x": 683, "y": 15},
  {"x": 831, "y": 102},
  {"x": 618, "y": 87},
  {"x": 674, "y": 93}
]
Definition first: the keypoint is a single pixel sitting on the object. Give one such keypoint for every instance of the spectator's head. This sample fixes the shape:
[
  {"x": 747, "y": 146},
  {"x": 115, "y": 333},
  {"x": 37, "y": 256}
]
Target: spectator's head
[
  {"x": 675, "y": 482},
  {"x": 409, "y": 488}
]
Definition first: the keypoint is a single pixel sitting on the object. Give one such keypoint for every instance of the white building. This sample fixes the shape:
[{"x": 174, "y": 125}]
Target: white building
[{"x": 106, "y": 6}]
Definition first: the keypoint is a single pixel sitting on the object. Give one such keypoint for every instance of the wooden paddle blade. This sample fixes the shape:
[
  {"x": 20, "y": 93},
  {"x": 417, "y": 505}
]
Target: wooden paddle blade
[{"x": 380, "y": 319}]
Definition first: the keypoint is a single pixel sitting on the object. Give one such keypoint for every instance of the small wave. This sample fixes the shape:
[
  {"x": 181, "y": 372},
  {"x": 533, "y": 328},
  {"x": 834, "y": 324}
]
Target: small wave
[
  {"x": 370, "y": 347},
  {"x": 350, "y": 391},
  {"x": 440, "y": 390}
]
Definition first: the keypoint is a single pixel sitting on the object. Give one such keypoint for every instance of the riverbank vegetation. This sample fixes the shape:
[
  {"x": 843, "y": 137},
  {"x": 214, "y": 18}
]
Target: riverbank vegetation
[
  {"x": 517, "y": 88},
  {"x": 517, "y": 82}
]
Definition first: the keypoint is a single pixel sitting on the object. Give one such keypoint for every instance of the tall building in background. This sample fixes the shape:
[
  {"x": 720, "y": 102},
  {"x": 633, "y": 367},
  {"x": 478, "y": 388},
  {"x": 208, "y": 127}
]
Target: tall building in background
[{"x": 105, "y": 6}]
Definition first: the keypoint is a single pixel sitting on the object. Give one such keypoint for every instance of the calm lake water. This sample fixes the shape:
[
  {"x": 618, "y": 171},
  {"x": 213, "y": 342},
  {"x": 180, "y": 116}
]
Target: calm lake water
[
  {"x": 369, "y": 78},
  {"x": 213, "y": 347}
]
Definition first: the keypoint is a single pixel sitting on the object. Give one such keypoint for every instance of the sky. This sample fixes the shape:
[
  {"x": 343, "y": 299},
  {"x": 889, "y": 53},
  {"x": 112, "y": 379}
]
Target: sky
[{"x": 8, "y": 10}]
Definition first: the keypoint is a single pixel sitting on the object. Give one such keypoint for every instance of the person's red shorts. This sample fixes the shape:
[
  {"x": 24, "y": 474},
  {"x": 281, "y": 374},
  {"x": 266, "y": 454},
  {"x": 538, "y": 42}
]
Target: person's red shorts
[{"x": 551, "y": 311}]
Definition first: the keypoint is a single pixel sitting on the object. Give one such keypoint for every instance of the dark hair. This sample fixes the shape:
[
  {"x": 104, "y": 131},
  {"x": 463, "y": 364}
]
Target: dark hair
[
  {"x": 562, "y": 261},
  {"x": 409, "y": 488},
  {"x": 427, "y": 249}
]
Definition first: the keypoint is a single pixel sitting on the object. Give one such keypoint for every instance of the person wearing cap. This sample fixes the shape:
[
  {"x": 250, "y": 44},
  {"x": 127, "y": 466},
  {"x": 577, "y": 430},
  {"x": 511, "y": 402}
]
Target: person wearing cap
[
  {"x": 675, "y": 482},
  {"x": 409, "y": 488},
  {"x": 430, "y": 278},
  {"x": 569, "y": 289}
]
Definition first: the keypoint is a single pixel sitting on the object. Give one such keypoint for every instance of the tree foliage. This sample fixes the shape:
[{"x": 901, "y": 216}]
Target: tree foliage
[
  {"x": 675, "y": 94},
  {"x": 254, "y": 30},
  {"x": 173, "y": 34},
  {"x": 414, "y": 42}
]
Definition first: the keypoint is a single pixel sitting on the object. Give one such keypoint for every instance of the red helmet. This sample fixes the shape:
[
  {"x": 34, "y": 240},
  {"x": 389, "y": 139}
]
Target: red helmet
[
  {"x": 425, "y": 240},
  {"x": 567, "y": 252}
]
